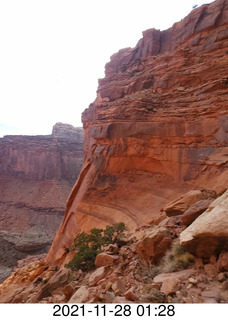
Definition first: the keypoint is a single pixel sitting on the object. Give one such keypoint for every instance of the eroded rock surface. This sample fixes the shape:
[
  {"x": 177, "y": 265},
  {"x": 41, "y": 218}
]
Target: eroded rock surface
[
  {"x": 153, "y": 246},
  {"x": 157, "y": 129}
]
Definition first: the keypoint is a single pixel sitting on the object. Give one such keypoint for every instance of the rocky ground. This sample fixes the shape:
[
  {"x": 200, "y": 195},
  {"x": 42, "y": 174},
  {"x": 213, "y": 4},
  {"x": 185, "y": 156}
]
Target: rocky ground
[{"x": 151, "y": 264}]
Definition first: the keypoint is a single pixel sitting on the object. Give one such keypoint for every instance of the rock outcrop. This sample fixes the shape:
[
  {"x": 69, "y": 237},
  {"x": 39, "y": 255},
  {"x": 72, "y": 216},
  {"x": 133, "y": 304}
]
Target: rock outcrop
[
  {"x": 208, "y": 234},
  {"x": 153, "y": 246},
  {"x": 195, "y": 211},
  {"x": 185, "y": 201},
  {"x": 36, "y": 176},
  {"x": 157, "y": 129}
]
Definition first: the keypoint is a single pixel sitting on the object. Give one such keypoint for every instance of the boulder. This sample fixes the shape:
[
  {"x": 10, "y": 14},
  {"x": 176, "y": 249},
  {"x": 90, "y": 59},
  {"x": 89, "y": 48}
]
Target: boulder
[
  {"x": 104, "y": 259},
  {"x": 223, "y": 261},
  {"x": 80, "y": 296},
  {"x": 195, "y": 211},
  {"x": 118, "y": 287},
  {"x": 154, "y": 245},
  {"x": 68, "y": 290},
  {"x": 96, "y": 276},
  {"x": 210, "y": 271},
  {"x": 181, "y": 204},
  {"x": 211, "y": 296},
  {"x": 179, "y": 275},
  {"x": 170, "y": 221},
  {"x": 208, "y": 234},
  {"x": 130, "y": 294},
  {"x": 170, "y": 285}
]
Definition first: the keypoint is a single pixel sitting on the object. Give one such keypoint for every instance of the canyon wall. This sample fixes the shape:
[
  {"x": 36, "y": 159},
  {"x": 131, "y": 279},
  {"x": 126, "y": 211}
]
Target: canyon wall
[
  {"x": 36, "y": 176},
  {"x": 158, "y": 127},
  {"x": 43, "y": 157}
]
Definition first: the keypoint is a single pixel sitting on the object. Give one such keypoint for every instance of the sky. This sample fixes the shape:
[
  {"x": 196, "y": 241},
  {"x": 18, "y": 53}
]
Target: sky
[{"x": 52, "y": 53}]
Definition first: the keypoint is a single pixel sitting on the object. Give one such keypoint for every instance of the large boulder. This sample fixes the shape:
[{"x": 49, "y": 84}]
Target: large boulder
[
  {"x": 104, "y": 259},
  {"x": 153, "y": 246},
  {"x": 80, "y": 296},
  {"x": 208, "y": 234},
  {"x": 178, "y": 275},
  {"x": 96, "y": 276},
  {"x": 195, "y": 211},
  {"x": 181, "y": 204}
]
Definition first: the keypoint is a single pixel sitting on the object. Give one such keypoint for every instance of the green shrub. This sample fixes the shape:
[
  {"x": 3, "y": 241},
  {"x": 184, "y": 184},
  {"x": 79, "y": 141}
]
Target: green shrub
[
  {"x": 90, "y": 244},
  {"x": 84, "y": 259}
]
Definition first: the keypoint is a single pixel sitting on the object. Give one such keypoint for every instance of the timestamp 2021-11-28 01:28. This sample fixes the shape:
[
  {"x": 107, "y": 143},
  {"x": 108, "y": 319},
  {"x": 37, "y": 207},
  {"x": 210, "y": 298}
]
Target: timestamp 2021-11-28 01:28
[{"x": 118, "y": 310}]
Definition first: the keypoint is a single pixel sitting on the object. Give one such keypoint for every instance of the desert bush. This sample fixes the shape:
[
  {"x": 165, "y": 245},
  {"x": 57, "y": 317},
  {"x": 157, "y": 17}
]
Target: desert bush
[
  {"x": 175, "y": 259},
  {"x": 154, "y": 270},
  {"x": 153, "y": 295},
  {"x": 90, "y": 244}
]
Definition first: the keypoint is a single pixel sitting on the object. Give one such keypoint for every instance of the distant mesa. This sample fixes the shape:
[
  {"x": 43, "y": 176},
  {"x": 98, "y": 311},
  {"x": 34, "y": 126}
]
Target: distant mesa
[
  {"x": 67, "y": 131},
  {"x": 43, "y": 157},
  {"x": 36, "y": 176}
]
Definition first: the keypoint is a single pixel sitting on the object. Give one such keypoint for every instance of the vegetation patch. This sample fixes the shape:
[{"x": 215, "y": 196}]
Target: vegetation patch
[
  {"x": 175, "y": 259},
  {"x": 90, "y": 244},
  {"x": 153, "y": 295}
]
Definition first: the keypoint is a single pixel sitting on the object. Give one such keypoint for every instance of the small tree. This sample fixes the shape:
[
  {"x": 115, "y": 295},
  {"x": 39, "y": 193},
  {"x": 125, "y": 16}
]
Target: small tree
[
  {"x": 115, "y": 231},
  {"x": 89, "y": 245}
]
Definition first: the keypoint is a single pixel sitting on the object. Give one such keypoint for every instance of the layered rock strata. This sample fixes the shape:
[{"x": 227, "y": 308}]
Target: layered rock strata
[
  {"x": 158, "y": 128},
  {"x": 43, "y": 157},
  {"x": 36, "y": 176}
]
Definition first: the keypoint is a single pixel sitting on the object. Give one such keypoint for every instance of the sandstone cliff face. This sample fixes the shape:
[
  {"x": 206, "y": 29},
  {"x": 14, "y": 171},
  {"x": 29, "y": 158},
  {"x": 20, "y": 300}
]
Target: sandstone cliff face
[
  {"x": 36, "y": 176},
  {"x": 158, "y": 128},
  {"x": 43, "y": 157}
]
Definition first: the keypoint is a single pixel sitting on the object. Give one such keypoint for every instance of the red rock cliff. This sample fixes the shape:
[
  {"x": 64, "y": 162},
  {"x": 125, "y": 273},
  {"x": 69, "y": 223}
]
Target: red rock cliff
[
  {"x": 57, "y": 156},
  {"x": 36, "y": 174},
  {"x": 158, "y": 127}
]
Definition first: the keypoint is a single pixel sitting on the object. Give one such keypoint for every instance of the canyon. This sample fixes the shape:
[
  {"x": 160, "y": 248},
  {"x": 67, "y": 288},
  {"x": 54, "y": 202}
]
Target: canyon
[
  {"x": 155, "y": 158},
  {"x": 36, "y": 176}
]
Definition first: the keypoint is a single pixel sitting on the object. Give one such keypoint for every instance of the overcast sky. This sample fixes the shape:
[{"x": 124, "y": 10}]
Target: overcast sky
[{"x": 52, "y": 53}]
